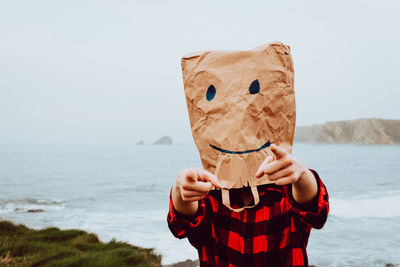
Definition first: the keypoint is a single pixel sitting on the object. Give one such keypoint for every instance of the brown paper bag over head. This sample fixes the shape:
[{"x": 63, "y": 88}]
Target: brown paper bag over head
[{"x": 239, "y": 103}]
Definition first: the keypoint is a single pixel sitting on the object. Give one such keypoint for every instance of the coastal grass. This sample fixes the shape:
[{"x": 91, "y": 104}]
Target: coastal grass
[{"x": 22, "y": 246}]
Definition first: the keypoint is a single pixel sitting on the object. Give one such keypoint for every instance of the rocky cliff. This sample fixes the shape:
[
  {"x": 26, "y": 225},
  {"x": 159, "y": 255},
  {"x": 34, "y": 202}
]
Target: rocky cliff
[{"x": 360, "y": 131}]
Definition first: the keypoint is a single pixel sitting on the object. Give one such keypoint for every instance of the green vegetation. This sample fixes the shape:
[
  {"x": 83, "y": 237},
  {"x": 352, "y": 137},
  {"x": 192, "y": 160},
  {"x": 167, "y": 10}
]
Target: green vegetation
[{"x": 22, "y": 246}]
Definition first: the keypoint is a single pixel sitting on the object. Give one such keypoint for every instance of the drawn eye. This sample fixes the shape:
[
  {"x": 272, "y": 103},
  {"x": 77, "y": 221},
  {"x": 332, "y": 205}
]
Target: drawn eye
[
  {"x": 210, "y": 92},
  {"x": 254, "y": 87}
]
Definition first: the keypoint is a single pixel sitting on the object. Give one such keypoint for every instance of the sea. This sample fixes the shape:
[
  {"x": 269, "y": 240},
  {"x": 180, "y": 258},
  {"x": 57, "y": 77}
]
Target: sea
[{"x": 122, "y": 192}]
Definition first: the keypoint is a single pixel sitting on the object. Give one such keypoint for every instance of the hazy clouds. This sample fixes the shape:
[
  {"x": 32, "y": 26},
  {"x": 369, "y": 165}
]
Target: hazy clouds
[{"x": 105, "y": 72}]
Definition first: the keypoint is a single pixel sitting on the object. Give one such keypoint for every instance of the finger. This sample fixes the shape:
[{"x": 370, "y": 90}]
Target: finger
[
  {"x": 285, "y": 180},
  {"x": 265, "y": 162},
  {"x": 199, "y": 186},
  {"x": 260, "y": 171},
  {"x": 276, "y": 165},
  {"x": 191, "y": 199},
  {"x": 278, "y": 151},
  {"x": 187, "y": 194},
  {"x": 209, "y": 177},
  {"x": 191, "y": 174},
  {"x": 280, "y": 174}
]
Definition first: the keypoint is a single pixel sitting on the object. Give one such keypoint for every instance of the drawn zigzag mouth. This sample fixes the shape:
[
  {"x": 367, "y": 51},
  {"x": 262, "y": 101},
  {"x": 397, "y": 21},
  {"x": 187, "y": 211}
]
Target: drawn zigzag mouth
[{"x": 267, "y": 144}]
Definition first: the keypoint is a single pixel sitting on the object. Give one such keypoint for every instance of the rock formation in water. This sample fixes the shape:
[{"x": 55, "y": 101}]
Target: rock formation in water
[
  {"x": 165, "y": 140},
  {"x": 35, "y": 210},
  {"x": 360, "y": 131},
  {"x": 141, "y": 142},
  {"x": 187, "y": 263}
]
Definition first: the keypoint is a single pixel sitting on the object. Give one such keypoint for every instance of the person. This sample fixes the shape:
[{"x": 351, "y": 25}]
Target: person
[{"x": 273, "y": 233}]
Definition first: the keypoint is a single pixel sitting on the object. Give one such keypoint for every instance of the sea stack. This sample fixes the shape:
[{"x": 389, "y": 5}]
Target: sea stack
[{"x": 165, "y": 140}]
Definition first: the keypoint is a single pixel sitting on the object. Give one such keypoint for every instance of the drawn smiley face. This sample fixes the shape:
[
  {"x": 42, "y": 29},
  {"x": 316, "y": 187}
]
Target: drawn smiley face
[{"x": 254, "y": 88}]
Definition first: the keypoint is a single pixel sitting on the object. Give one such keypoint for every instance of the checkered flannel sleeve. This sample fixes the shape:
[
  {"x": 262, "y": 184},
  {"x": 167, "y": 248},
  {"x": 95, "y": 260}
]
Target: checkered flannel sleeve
[
  {"x": 315, "y": 213},
  {"x": 181, "y": 224}
]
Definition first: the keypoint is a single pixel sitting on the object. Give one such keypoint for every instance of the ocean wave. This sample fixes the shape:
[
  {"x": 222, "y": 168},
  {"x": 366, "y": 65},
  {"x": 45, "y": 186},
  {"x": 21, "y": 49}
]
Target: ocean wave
[
  {"x": 26, "y": 204},
  {"x": 378, "y": 207},
  {"x": 141, "y": 188},
  {"x": 148, "y": 188}
]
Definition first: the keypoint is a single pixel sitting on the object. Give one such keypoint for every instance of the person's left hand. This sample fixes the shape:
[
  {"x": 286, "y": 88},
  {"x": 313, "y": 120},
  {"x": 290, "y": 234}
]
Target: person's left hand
[{"x": 282, "y": 168}]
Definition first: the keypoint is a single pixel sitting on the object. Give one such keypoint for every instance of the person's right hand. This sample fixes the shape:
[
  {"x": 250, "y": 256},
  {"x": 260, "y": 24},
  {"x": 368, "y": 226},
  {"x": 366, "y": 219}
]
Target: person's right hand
[{"x": 193, "y": 183}]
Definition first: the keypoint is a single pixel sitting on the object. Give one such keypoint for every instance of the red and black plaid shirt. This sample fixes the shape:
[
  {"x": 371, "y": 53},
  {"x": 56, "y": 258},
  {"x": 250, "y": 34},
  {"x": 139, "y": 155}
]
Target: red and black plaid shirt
[{"x": 274, "y": 233}]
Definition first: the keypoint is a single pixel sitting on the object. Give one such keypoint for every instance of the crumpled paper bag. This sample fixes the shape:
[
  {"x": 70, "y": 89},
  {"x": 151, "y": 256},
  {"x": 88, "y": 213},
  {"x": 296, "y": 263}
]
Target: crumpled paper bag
[{"x": 239, "y": 103}]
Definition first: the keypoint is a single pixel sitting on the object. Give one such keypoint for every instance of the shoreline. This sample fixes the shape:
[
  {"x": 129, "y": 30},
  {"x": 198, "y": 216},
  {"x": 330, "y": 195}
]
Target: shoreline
[
  {"x": 54, "y": 246},
  {"x": 51, "y": 246}
]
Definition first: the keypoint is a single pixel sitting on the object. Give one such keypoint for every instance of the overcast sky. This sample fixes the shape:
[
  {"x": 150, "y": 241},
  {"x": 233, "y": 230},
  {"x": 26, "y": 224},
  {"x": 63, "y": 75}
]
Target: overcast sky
[{"x": 109, "y": 71}]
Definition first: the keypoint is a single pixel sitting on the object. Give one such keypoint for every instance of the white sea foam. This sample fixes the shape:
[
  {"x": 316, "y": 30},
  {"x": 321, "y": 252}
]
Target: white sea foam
[
  {"x": 379, "y": 207},
  {"x": 25, "y": 204}
]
